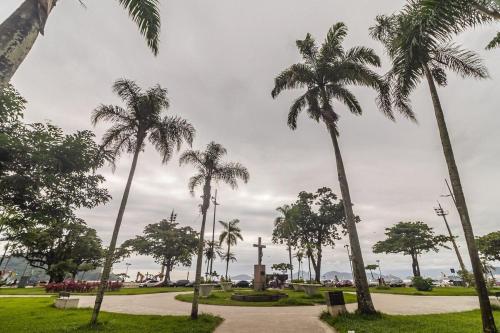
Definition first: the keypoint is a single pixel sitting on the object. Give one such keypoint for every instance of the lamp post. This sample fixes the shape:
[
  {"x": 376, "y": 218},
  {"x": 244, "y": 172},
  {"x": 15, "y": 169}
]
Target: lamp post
[
  {"x": 350, "y": 260},
  {"x": 126, "y": 270},
  {"x": 214, "y": 201}
]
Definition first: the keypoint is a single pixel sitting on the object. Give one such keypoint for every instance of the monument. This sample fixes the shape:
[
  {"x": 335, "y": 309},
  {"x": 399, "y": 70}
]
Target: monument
[{"x": 259, "y": 270}]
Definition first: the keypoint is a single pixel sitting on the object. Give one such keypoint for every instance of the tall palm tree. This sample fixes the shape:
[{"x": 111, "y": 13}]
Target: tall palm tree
[
  {"x": 421, "y": 52},
  {"x": 141, "y": 119},
  {"x": 230, "y": 235},
  {"x": 212, "y": 250},
  {"x": 300, "y": 256},
  {"x": 286, "y": 224},
  {"x": 211, "y": 168},
  {"x": 20, "y": 30},
  {"x": 326, "y": 73}
]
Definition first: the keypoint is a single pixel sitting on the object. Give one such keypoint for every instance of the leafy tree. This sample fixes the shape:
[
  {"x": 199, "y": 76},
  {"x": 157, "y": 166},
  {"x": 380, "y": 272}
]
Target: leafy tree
[
  {"x": 169, "y": 244},
  {"x": 281, "y": 267},
  {"x": 413, "y": 239},
  {"x": 58, "y": 246},
  {"x": 371, "y": 268},
  {"x": 318, "y": 218},
  {"x": 230, "y": 236},
  {"x": 420, "y": 49},
  {"x": 489, "y": 246},
  {"x": 212, "y": 251},
  {"x": 326, "y": 73},
  {"x": 284, "y": 228},
  {"x": 141, "y": 119},
  {"x": 20, "y": 30},
  {"x": 210, "y": 168}
]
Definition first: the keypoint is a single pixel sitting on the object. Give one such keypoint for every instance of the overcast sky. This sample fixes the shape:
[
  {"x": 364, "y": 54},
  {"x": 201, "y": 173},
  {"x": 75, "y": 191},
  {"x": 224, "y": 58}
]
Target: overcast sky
[{"x": 218, "y": 59}]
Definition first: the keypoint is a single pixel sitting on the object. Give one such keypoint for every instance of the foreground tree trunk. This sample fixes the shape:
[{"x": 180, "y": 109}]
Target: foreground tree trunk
[
  {"x": 111, "y": 250},
  {"x": 365, "y": 304},
  {"x": 482, "y": 291},
  {"x": 414, "y": 265},
  {"x": 18, "y": 34},
  {"x": 227, "y": 259},
  {"x": 199, "y": 259}
]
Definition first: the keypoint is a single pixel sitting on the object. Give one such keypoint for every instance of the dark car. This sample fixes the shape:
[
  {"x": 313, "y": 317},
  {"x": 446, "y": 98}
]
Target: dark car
[
  {"x": 344, "y": 283},
  {"x": 183, "y": 283},
  {"x": 242, "y": 284}
]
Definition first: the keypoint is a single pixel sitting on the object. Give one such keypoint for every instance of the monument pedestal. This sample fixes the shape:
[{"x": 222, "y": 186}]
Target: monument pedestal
[{"x": 259, "y": 277}]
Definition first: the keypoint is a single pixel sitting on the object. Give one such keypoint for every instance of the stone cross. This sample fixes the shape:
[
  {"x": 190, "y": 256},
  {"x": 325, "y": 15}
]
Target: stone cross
[{"x": 260, "y": 247}]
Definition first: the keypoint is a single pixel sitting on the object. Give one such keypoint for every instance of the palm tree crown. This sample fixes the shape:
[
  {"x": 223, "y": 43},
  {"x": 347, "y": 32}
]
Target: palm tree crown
[
  {"x": 231, "y": 232},
  {"x": 326, "y": 72},
  {"x": 211, "y": 167},
  {"x": 141, "y": 118}
]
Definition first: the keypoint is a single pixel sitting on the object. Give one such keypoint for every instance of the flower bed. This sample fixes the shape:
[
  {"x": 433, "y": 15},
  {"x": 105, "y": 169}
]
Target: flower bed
[{"x": 80, "y": 287}]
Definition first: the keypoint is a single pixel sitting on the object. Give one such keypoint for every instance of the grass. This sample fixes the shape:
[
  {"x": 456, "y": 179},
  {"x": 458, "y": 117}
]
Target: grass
[
  {"x": 437, "y": 291},
  {"x": 461, "y": 322},
  {"x": 23, "y": 315},
  {"x": 123, "y": 291},
  {"x": 295, "y": 298}
]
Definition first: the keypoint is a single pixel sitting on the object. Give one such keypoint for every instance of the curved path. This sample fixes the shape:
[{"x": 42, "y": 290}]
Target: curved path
[{"x": 277, "y": 319}]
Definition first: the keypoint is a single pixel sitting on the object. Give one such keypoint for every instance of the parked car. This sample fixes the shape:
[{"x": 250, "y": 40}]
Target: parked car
[
  {"x": 183, "y": 283},
  {"x": 242, "y": 284},
  {"x": 328, "y": 283},
  {"x": 344, "y": 284},
  {"x": 396, "y": 283},
  {"x": 150, "y": 283}
]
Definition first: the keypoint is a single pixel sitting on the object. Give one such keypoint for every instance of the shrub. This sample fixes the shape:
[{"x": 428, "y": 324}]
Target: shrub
[
  {"x": 80, "y": 287},
  {"x": 422, "y": 284},
  {"x": 383, "y": 287}
]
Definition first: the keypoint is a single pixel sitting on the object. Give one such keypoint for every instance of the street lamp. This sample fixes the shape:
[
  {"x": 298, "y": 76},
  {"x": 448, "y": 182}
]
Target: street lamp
[
  {"x": 126, "y": 270},
  {"x": 379, "y": 271}
]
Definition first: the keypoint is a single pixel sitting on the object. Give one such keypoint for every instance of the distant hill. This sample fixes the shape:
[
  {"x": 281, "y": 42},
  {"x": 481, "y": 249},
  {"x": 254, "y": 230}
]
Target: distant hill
[{"x": 241, "y": 277}]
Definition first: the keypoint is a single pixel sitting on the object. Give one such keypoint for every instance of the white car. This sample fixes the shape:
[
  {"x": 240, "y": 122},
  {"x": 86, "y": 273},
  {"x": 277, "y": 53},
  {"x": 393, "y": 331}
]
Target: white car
[{"x": 149, "y": 283}]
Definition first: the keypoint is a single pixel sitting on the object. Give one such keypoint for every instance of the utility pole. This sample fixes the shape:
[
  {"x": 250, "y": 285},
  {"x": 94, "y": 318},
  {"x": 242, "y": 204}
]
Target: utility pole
[
  {"x": 214, "y": 201},
  {"x": 441, "y": 212},
  {"x": 350, "y": 260}
]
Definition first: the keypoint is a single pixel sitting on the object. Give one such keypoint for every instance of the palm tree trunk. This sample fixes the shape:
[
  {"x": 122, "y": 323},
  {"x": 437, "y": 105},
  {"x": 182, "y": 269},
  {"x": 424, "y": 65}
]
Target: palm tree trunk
[
  {"x": 18, "y": 34},
  {"x": 227, "y": 259},
  {"x": 111, "y": 250},
  {"x": 199, "y": 259},
  {"x": 290, "y": 257},
  {"x": 482, "y": 291},
  {"x": 365, "y": 304}
]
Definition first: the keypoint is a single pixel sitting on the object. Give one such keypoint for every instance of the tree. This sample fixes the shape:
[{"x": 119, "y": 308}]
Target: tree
[
  {"x": 283, "y": 231},
  {"x": 318, "y": 218},
  {"x": 212, "y": 251},
  {"x": 210, "y": 168},
  {"x": 371, "y": 268},
  {"x": 141, "y": 119},
  {"x": 420, "y": 50},
  {"x": 20, "y": 30},
  {"x": 413, "y": 239},
  {"x": 300, "y": 256},
  {"x": 326, "y": 73},
  {"x": 281, "y": 267},
  {"x": 169, "y": 244},
  {"x": 489, "y": 246},
  {"x": 58, "y": 246},
  {"x": 230, "y": 235}
]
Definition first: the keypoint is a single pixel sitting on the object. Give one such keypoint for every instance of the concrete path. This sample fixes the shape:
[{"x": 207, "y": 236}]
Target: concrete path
[{"x": 277, "y": 319}]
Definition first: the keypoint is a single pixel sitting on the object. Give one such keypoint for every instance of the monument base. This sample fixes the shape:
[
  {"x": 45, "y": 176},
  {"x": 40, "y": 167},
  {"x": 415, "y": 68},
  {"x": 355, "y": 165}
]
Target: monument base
[{"x": 259, "y": 277}]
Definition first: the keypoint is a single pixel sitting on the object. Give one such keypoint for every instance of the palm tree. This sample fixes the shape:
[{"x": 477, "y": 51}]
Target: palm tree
[
  {"x": 419, "y": 51},
  {"x": 229, "y": 256},
  {"x": 326, "y": 73},
  {"x": 210, "y": 168},
  {"x": 230, "y": 236},
  {"x": 20, "y": 30},
  {"x": 285, "y": 223},
  {"x": 141, "y": 119},
  {"x": 300, "y": 256},
  {"x": 212, "y": 250}
]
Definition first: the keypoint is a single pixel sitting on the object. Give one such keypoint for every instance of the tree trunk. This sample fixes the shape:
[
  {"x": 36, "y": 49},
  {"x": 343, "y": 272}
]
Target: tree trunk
[
  {"x": 414, "y": 265},
  {"x": 213, "y": 235},
  {"x": 227, "y": 258},
  {"x": 309, "y": 260},
  {"x": 290, "y": 257},
  {"x": 199, "y": 259},
  {"x": 482, "y": 291},
  {"x": 111, "y": 250},
  {"x": 18, "y": 34},
  {"x": 318, "y": 264},
  {"x": 365, "y": 304},
  {"x": 4, "y": 254}
]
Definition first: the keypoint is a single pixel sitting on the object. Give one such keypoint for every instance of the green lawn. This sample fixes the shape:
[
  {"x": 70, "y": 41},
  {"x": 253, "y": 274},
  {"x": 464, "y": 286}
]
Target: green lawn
[
  {"x": 295, "y": 298},
  {"x": 438, "y": 291},
  {"x": 462, "y": 322},
  {"x": 123, "y": 291},
  {"x": 27, "y": 315}
]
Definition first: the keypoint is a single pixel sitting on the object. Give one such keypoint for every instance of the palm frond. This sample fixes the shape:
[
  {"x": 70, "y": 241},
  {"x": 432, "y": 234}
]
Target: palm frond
[
  {"x": 169, "y": 134},
  {"x": 495, "y": 42},
  {"x": 296, "y": 76},
  {"x": 146, "y": 14},
  {"x": 110, "y": 113},
  {"x": 191, "y": 157},
  {"x": 195, "y": 181},
  {"x": 128, "y": 91},
  {"x": 362, "y": 55},
  {"x": 307, "y": 48},
  {"x": 230, "y": 173},
  {"x": 463, "y": 62}
]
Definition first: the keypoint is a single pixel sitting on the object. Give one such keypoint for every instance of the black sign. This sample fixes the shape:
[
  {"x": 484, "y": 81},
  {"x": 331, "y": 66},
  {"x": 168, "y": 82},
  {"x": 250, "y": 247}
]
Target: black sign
[
  {"x": 452, "y": 270},
  {"x": 335, "y": 298}
]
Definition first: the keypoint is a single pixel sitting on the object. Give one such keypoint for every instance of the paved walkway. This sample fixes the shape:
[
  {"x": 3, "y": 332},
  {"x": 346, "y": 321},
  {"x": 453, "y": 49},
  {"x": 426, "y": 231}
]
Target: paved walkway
[{"x": 240, "y": 319}]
